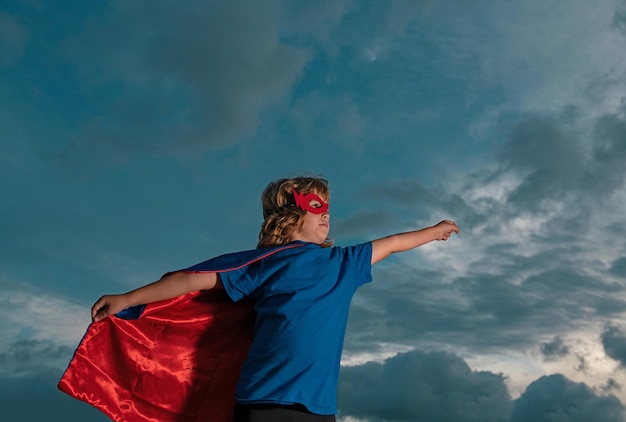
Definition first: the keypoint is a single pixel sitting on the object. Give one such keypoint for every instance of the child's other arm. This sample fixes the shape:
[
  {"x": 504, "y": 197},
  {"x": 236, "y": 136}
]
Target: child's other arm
[
  {"x": 169, "y": 286},
  {"x": 382, "y": 248}
]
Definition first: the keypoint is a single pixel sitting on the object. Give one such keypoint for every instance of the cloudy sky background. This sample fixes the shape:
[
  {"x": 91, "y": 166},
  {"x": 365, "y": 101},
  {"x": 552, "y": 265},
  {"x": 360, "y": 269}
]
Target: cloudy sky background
[{"x": 136, "y": 137}]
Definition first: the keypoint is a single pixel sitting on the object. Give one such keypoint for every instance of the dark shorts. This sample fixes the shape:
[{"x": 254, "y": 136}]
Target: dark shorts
[{"x": 277, "y": 413}]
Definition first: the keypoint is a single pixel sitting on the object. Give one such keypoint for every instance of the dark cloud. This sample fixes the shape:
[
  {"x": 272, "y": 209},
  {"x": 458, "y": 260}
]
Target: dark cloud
[
  {"x": 608, "y": 167},
  {"x": 618, "y": 267},
  {"x": 555, "y": 164},
  {"x": 583, "y": 365},
  {"x": 554, "y": 398},
  {"x": 548, "y": 157},
  {"x": 542, "y": 143},
  {"x": 554, "y": 349},
  {"x": 611, "y": 385},
  {"x": 25, "y": 357},
  {"x": 419, "y": 386},
  {"x": 619, "y": 21},
  {"x": 414, "y": 195},
  {"x": 407, "y": 306},
  {"x": 517, "y": 311},
  {"x": 439, "y": 386},
  {"x": 614, "y": 341},
  {"x": 416, "y": 202},
  {"x": 168, "y": 77},
  {"x": 497, "y": 304},
  {"x": 419, "y": 202}
]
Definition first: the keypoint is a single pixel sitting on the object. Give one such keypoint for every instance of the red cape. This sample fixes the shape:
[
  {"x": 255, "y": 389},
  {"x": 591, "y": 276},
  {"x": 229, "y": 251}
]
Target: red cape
[{"x": 178, "y": 361}]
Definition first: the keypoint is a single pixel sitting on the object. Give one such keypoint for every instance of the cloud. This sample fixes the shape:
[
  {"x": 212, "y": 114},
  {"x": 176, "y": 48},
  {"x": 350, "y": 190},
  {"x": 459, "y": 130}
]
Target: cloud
[
  {"x": 554, "y": 398},
  {"x": 40, "y": 332},
  {"x": 619, "y": 21},
  {"x": 28, "y": 357},
  {"x": 411, "y": 202},
  {"x": 422, "y": 386},
  {"x": 560, "y": 171},
  {"x": 497, "y": 305},
  {"x": 30, "y": 314},
  {"x": 167, "y": 77},
  {"x": 531, "y": 262},
  {"x": 546, "y": 173},
  {"x": 614, "y": 342},
  {"x": 547, "y": 156},
  {"x": 611, "y": 385},
  {"x": 554, "y": 349},
  {"x": 608, "y": 168},
  {"x": 425, "y": 386},
  {"x": 618, "y": 267},
  {"x": 414, "y": 195}
]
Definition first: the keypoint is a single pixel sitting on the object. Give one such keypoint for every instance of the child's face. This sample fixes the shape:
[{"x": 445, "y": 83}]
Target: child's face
[{"x": 315, "y": 226}]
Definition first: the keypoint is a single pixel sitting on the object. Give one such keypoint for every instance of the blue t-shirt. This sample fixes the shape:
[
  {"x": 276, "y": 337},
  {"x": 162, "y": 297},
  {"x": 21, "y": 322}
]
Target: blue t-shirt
[{"x": 302, "y": 298}]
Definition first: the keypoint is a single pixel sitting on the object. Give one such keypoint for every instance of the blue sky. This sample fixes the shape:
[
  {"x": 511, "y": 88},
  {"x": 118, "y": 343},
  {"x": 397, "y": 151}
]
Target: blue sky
[{"x": 136, "y": 138}]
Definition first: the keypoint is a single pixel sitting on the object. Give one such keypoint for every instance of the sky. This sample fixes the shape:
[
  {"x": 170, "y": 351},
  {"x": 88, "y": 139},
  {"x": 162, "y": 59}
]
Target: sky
[{"x": 136, "y": 138}]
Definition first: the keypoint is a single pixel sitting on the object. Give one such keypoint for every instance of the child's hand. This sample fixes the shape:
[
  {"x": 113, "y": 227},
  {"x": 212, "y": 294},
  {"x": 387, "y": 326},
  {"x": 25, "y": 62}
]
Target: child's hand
[
  {"x": 108, "y": 305},
  {"x": 445, "y": 229}
]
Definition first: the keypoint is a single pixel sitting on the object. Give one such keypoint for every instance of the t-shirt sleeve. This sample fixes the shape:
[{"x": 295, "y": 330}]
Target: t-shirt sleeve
[
  {"x": 360, "y": 259},
  {"x": 239, "y": 283}
]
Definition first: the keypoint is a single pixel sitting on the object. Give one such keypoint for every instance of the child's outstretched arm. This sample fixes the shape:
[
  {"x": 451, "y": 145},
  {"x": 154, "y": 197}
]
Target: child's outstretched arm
[
  {"x": 383, "y": 247},
  {"x": 169, "y": 286}
]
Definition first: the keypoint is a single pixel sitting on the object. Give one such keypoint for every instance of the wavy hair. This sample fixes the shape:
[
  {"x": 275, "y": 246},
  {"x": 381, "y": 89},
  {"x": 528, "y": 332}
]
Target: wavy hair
[{"x": 281, "y": 216}]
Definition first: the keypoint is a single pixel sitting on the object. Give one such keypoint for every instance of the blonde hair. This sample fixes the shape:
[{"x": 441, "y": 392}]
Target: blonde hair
[{"x": 281, "y": 216}]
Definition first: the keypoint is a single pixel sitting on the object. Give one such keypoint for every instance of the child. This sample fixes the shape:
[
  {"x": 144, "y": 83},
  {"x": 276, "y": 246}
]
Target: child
[{"x": 301, "y": 290}]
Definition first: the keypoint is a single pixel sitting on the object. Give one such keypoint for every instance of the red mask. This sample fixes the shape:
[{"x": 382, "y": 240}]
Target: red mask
[{"x": 310, "y": 202}]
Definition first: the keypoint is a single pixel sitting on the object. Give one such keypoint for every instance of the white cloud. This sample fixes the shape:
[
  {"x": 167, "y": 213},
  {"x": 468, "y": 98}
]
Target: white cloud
[
  {"x": 38, "y": 315},
  {"x": 383, "y": 351},
  {"x": 40, "y": 331}
]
